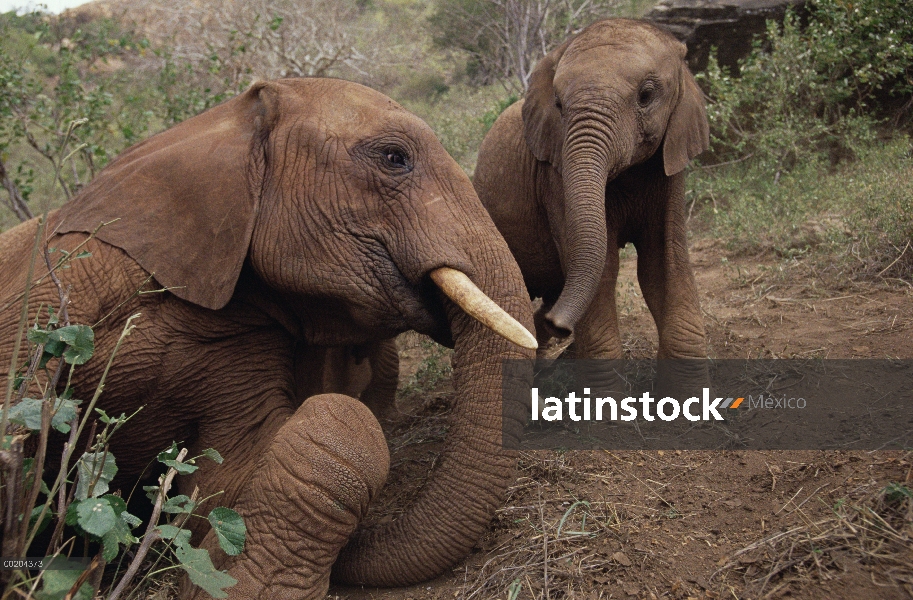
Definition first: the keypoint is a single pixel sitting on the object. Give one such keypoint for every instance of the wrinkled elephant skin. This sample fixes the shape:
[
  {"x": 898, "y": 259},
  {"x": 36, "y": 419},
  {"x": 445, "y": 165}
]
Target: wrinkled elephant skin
[{"x": 302, "y": 213}]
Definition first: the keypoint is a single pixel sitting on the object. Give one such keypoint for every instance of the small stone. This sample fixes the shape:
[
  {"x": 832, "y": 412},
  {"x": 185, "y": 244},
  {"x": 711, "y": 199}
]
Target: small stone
[{"x": 622, "y": 559}]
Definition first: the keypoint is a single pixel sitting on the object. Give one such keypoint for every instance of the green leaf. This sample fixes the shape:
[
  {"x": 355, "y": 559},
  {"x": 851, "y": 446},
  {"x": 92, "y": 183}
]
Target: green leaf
[
  {"x": 66, "y": 412},
  {"x": 80, "y": 340},
  {"x": 181, "y": 467},
  {"x": 36, "y": 512},
  {"x": 52, "y": 349},
  {"x": 230, "y": 528},
  {"x": 27, "y": 413},
  {"x": 38, "y": 336},
  {"x": 72, "y": 516},
  {"x": 179, "y": 504},
  {"x": 58, "y": 583},
  {"x": 107, "y": 419},
  {"x": 96, "y": 516},
  {"x": 199, "y": 567},
  {"x": 83, "y": 254},
  {"x": 120, "y": 531},
  {"x": 88, "y": 468},
  {"x": 169, "y": 454},
  {"x": 117, "y": 503},
  {"x": 213, "y": 455},
  {"x": 110, "y": 543},
  {"x": 152, "y": 492},
  {"x": 180, "y": 536},
  {"x": 131, "y": 520}
]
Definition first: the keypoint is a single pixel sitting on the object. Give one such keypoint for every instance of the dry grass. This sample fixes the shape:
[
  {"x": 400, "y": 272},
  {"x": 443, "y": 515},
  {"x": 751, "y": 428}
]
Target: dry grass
[
  {"x": 551, "y": 548},
  {"x": 876, "y": 530}
]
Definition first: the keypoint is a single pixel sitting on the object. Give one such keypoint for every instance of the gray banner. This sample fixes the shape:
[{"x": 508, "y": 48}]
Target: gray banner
[{"x": 709, "y": 404}]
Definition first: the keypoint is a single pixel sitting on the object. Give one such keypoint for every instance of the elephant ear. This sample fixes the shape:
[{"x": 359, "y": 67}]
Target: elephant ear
[
  {"x": 541, "y": 118},
  {"x": 183, "y": 202},
  {"x": 688, "y": 133}
]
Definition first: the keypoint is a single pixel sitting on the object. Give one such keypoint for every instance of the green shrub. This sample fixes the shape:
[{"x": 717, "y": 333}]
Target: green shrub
[
  {"x": 489, "y": 118},
  {"x": 88, "y": 511},
  {"x": 810, "y": 91}
]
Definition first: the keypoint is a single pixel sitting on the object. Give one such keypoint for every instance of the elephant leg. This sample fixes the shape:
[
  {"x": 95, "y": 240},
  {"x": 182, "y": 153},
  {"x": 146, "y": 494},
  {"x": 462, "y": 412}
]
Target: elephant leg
[
  {"x": 311, "y": 487},
  {"x": 380, "y": 394},
  {"x": 667, "y": 283},
  {"x": 543, "y": 335},
  {"x": 597, "y": 336}
]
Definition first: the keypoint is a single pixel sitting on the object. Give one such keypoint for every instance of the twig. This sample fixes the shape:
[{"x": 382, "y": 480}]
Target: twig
[
  {"x": 37, "y": 469},
  {"x": 788, "y": 501},
  {"x": 84, "y": 576},
  {"x": 904, "y": 251},
  {"x": 60, "y": 262},
  {"x": 728, "y": 162},
  {"x": 544, "y": 546},
  {"x": 11, "y": 462},
  {"x": 151, "y": 534},
  {"x": 806, "y": 500},
  {"x": 23, "y": 320},
  {"x": 62, "y": 490}
]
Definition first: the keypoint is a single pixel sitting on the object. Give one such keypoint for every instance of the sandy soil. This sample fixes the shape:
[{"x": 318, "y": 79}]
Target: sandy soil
[{"x": 698, "y": 524}]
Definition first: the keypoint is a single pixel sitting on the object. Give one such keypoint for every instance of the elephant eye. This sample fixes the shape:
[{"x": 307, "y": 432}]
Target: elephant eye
[
  {"x": 647, "y": 93},
  {"x": 397, "y": 158},
  {"x": 558, "y": 103}
]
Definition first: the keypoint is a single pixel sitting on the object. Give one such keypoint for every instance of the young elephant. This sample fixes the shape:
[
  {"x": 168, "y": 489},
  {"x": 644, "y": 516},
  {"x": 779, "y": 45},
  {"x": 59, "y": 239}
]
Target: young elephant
[
  {"x": 302, "y": 213},
  {"x": 592, "y": 159}
]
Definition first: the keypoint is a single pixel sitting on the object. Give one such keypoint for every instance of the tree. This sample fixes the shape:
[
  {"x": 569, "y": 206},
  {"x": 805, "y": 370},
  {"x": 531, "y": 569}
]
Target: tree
[
  {"x": 505, "y": 38},
  {"x": 260, "y": 38}
]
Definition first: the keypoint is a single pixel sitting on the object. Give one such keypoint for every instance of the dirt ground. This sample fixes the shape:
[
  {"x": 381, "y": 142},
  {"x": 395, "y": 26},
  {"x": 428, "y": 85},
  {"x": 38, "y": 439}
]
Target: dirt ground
[{"x": 697, "y": 524}]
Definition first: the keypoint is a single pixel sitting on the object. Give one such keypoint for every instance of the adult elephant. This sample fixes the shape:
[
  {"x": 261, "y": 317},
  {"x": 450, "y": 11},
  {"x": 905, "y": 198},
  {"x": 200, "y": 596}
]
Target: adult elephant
[
  {"x": 301, "y": 213},
  {"x": 590, "y": 160}
]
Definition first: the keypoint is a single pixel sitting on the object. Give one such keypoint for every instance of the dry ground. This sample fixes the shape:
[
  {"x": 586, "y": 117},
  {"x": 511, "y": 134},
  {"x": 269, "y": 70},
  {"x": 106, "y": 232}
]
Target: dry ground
[{"x": 697, "y": 524}]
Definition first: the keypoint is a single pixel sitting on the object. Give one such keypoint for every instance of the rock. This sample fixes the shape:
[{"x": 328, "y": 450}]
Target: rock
[
  {"x": 622, "y": 559},
  {"x": 730, "y": 25}
]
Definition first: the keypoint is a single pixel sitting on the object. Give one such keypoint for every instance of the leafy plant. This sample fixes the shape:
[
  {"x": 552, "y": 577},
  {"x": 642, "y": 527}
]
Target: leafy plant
[
  {"x": 57, "y": 103},
  {"x": 434, "y": 368},
  {"x": 810, "y": 91},
  {"x": 80, "y": 495},
  {"x": 489, "y": 118}
]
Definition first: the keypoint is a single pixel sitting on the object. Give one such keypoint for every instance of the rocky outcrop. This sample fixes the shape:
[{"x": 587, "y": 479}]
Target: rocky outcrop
[{"x": 728, "y": 25}]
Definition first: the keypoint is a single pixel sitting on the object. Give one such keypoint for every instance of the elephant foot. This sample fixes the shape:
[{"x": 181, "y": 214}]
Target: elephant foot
[
  {"x": 311, "y": 488},
  {"x": 681, "y": 377}
]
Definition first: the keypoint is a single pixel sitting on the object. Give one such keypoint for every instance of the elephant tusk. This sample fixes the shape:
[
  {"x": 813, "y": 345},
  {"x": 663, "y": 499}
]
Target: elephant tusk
[{"x": 465, "y": 294}]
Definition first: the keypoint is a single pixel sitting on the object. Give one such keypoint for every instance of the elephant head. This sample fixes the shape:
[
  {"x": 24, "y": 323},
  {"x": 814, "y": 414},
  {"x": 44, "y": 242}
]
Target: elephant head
[
  {"x": 601, "y": 102},
  {"x": 329, "y": 208}
]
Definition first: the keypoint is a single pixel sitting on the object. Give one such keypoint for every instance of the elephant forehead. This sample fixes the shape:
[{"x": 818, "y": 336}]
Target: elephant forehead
[
  {"x": 343, "y": 106},
  {"x": 615, "y": 36},
  {"x": 612, "y": 65}
]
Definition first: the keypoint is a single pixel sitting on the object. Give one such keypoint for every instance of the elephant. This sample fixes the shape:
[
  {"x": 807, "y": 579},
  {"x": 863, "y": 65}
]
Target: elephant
[
  {"x": 592, "y": 159},
  {"x": 300, "y": 214}
]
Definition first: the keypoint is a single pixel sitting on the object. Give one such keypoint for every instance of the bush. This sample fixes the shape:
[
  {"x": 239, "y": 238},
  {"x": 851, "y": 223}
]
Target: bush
[
  {"x": 74, "y": 500},
  {"x": 810, "y": 91},
  {"x": 65, "y": 110}
]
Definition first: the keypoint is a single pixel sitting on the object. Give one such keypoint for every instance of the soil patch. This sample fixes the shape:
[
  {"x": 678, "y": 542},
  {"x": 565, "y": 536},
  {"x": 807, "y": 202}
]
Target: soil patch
[{"x": 697, "y": 524}]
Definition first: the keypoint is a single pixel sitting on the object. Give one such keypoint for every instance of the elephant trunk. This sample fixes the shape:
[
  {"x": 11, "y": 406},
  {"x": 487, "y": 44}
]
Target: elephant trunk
[
  {"x": 469, "y": 482},
  {"x": 592, "y": 155}
]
